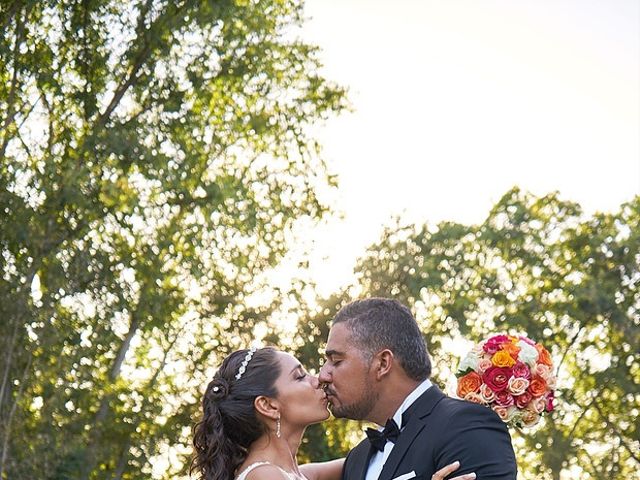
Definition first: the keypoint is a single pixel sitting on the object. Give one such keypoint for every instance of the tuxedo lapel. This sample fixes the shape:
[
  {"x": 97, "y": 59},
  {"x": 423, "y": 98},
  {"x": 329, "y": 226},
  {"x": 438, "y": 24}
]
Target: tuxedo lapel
[
  {"x": 400, "y": 449},
  {"x": 416, "y": 422}
]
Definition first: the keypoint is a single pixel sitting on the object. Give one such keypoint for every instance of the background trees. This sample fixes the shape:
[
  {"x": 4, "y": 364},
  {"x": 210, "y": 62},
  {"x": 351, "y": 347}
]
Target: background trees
[
  {"x": 536, "y": 266},
  {"x": 154, "y": 155}
]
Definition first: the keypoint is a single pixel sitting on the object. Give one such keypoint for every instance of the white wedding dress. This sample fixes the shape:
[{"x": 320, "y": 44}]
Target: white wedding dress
[{"x": 243, "y": 474}]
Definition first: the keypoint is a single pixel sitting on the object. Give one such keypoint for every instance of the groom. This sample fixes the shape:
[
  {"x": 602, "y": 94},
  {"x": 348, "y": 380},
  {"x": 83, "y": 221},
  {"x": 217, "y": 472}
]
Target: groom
[{"x": 377, "y": 369}]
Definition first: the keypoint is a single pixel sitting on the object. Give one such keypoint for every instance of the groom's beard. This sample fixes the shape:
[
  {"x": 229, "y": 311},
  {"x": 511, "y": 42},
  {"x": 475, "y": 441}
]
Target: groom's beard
[{"x": 359, "y": 410}]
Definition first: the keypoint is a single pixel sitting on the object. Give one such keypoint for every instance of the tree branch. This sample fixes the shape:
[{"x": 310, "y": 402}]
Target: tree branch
[
  {"x": 12, "y": 90},
  {"x": 615, "y": 429}
]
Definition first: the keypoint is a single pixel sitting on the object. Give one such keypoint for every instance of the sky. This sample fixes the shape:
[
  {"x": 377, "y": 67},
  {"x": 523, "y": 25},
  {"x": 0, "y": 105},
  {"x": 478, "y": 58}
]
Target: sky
[{"x": 457, "y": 101}]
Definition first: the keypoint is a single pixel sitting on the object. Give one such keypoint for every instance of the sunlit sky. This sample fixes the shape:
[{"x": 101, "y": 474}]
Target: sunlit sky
[{"x": 457, "y": 101}]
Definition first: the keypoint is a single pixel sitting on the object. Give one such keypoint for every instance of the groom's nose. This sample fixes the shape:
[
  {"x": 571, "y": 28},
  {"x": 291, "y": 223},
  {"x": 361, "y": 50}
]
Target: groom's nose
[{"x": 324, "y": 375}]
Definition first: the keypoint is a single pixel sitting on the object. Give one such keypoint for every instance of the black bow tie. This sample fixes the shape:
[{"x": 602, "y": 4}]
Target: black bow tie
[{"x": 379, "y": 438}]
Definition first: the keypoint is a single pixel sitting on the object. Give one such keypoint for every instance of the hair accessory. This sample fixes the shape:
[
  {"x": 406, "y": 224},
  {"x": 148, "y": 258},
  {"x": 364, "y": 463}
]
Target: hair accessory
[
  {"x": 245, "y": 362},
  {"x": 216, "y": 389},
  {"x": 278, "y": 433}
]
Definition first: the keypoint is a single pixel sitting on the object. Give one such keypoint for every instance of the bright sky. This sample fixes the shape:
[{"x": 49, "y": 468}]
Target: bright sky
[{"x": 456, "y": 101}]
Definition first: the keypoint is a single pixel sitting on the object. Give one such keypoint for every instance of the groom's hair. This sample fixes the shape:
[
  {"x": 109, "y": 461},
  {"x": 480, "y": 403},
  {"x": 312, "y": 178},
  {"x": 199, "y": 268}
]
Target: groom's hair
[{"x": 379, "y": 323}]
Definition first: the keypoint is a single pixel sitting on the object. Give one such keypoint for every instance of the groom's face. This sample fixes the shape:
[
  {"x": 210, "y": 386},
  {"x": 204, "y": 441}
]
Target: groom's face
[{"x": 345, "y": 374}]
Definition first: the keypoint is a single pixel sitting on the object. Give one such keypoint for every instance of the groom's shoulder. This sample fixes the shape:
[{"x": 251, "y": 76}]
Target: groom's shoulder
[
  {"x": 358, "y": 454},
  {"x": 463, "y": 409},
  {"x": 362, "y": 448}
]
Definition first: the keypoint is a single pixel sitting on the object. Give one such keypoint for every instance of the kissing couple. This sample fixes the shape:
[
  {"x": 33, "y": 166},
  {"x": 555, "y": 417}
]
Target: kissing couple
[{"x": 377, "y": 368}]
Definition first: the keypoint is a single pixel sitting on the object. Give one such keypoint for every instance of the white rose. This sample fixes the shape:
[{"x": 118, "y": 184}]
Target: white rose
[
  {"x": 528, "y": 354},
  {"x": 470, "y": 361}
]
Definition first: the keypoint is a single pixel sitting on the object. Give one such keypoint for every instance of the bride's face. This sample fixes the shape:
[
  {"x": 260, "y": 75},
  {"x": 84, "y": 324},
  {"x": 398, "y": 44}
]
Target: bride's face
[{"x": 303, "y": 402}]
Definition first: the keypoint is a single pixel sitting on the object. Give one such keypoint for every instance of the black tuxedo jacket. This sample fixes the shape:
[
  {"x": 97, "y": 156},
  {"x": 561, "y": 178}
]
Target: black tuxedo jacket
[{"x": 440, "y": 430}]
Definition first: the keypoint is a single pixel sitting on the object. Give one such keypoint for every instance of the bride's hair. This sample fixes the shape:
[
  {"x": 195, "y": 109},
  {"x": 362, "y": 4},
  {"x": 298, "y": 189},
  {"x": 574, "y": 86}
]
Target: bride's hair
[{"x": 229, "y": 423}]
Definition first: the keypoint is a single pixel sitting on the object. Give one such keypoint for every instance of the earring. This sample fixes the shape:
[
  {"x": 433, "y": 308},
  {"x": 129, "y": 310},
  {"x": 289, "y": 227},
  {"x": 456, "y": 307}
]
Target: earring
[{"x": 278, "y": 433}]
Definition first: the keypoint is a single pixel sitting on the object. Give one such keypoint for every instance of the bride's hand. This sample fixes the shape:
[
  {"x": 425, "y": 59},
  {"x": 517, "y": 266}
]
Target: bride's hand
[{"x": 443, "y": 472}]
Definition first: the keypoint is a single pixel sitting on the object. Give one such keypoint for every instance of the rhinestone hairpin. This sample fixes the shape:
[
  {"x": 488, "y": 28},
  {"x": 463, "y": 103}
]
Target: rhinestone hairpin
[
  {"x": 216, "y": 389},
  {"x": 245, "y": 362}
]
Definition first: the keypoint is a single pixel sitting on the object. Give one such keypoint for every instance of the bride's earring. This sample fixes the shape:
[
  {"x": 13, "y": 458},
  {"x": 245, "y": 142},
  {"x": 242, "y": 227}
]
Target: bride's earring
[{"x": 278, "y": 433}]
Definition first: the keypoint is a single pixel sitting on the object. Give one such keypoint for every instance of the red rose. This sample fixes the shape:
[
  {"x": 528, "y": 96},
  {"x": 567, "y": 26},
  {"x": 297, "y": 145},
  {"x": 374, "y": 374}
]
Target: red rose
[
  {"x": 494, "y": 343},
  {"x": 523, "y": 400},
  {"x": 497, "y": 378},
  {"x": 549, "y": 397}
]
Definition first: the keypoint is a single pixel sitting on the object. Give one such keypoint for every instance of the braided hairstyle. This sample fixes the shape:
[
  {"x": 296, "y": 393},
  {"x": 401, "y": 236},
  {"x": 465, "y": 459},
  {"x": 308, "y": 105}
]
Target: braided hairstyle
[{"x": 229, "y": 422}]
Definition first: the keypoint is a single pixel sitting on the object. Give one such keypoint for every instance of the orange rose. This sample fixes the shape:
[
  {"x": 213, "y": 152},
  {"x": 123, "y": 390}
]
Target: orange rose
[
  {"x": 468, "y": 383},
  {"x": 543, "y": 355},
  {"x": 502, "y": 359},
  {"x": 511, "y": 349},
  {"x": 537, "y": 387}
]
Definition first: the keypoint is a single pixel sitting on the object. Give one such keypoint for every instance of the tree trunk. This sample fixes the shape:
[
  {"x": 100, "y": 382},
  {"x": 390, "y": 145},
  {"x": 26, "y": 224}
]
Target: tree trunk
[
  {"x": 7, "y": 368},
  {"x": 102, "y": 413},
  {"x": 7, "y": 436},
  {"x": 122, "y": 463}
]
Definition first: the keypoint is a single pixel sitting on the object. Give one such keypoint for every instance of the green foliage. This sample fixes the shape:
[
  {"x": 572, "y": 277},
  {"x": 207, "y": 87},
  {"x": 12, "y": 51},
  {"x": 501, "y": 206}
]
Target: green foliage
[
  {"x": 536, "y": 266},
  {"x": 153, "y": 155}
]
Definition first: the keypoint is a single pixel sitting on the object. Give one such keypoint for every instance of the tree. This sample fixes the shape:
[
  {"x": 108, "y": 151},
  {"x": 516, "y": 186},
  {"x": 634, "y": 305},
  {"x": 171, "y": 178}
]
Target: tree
[
  {"x": 153, "y": 156},
  {"x": 536, "y": 266}
]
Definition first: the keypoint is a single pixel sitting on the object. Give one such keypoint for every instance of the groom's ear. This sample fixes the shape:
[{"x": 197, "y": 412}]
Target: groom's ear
[
  {"x": 267, "y": 406},
  {"x": 384, "y": 361}
]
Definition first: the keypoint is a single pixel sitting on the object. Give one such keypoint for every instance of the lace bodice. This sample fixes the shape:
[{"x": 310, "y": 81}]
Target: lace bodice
[{"x": 243, "y": 474}]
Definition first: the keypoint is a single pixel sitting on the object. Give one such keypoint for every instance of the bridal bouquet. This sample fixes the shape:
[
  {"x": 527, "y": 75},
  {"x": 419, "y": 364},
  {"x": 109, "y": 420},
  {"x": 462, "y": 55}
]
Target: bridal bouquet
[{"x": 512, "y": 375}]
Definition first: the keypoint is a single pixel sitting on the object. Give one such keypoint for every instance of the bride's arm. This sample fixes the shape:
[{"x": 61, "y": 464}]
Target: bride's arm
[{"x": 331, "y": 470}]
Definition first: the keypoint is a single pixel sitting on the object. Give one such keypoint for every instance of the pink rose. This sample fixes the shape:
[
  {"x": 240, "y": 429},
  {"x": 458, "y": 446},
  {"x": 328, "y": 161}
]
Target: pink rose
[
  {"x": 504, "y": 399},
  {"x": 529, "y": 418},
  {"x": 538, "y": 404},
  {"x": 521, "y": 370},
  {"x": 546, "y": 373},
  {"x": 505, "y": 413},
  {"x": 523, "y": 400},
  {"x": 517, "y": 386},
  {"x": 549, "y": 397},
  {"x": 542, "y": 370},
  {"x": 484, "y": 364},
  {"x": 493, "y": 344},
  {"x": 475, "y": 398},
  {"x": 497, "y": 378},
  {"x": 487, "y": 394},
  {"x": 551, "y": 382},
  {"x": 530, "y": 342}
]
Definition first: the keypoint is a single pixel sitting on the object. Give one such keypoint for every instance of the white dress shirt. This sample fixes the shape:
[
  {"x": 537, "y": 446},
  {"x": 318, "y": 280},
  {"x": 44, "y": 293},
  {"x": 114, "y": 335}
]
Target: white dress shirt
[{"x": 379, "y": 458}]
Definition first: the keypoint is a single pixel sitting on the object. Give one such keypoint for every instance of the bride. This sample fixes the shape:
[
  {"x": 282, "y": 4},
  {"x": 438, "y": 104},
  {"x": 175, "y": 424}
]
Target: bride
[{"x": 255, "y": 411}]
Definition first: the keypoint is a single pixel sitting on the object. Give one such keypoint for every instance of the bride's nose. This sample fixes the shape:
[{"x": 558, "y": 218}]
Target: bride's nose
[{"x": 315, "y": 381}]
